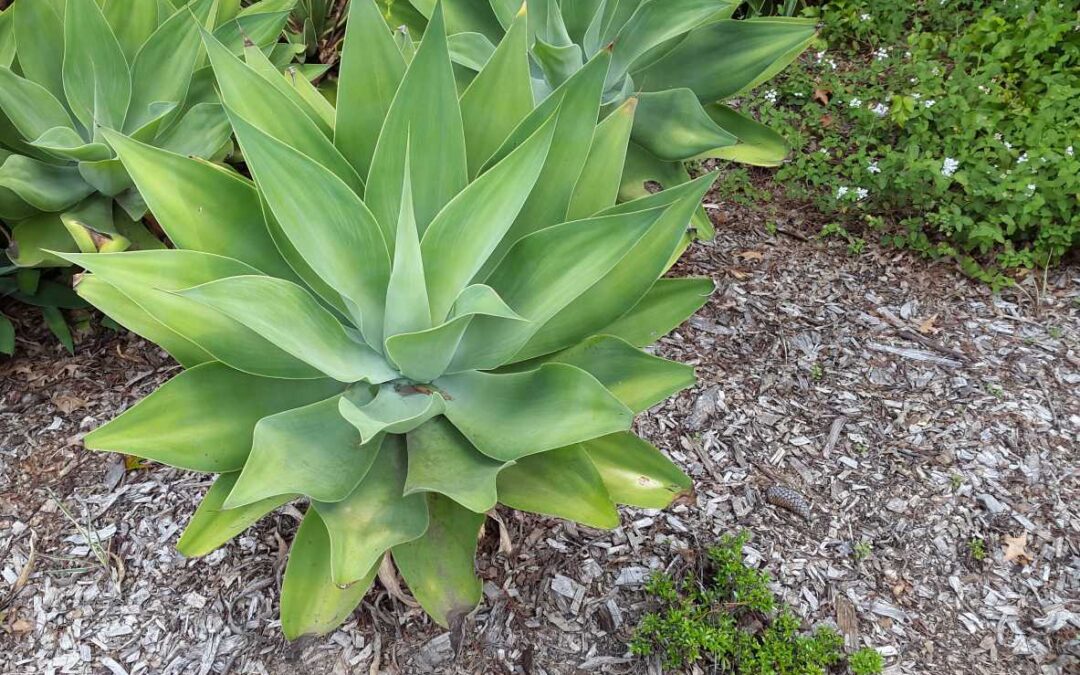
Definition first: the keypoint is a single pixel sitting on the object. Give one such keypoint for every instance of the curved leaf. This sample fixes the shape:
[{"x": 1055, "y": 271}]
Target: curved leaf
[
  {"x": 330, "y": 227},
  {"x": 97, "y": 82},
  {"x": 374, "y": 518},
  {"x": 637, "y": 379},
  {"x": 562, "y": 483},
  {"x": 552, "y": 406},
  {"x": 396, "y": 409},
  {"x": 598, "y": 187},
  {"x": 309, "y": 451},
  {"x": 442, "y": 460},
  {"x": 439, "y": 567},
  {"x": 30, "y": 107},
  {"x": 673, "y": 126},
  {"x": 311, "y": 602},
  {"x": 213, "y": 525},
  {"x": 667, "y": 304},
  {"x": 204, "y": 418},
  {"x": 636, "y": 473},
  {"x": 308, "y": 332},
  {"x": 47, "y": 187},
  {"x": 758, "y": 144},
  {"x": 39, "y": 40}
]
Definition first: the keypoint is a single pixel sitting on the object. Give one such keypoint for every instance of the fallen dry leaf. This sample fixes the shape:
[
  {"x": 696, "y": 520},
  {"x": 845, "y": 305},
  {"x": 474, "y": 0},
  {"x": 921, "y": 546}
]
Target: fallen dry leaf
[
  {"x": 1016, "y": 549},
  {"x": 822, "y": 95},
  {"x": 928, "y": 328},
  {"x": 751, "y": 255},
  {"x": 738, "y": 274},
  {"x": 21, "y": 626},
  {"x": 826, "y": 120}
]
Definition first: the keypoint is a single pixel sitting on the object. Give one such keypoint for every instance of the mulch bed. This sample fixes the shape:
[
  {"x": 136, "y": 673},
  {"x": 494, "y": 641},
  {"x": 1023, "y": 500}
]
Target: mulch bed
[{"x": 915, "y": 410}]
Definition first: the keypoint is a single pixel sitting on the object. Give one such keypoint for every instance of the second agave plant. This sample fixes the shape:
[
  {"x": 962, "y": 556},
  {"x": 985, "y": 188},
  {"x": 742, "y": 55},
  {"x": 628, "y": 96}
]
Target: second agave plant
[{"x": 422, "y": 306}]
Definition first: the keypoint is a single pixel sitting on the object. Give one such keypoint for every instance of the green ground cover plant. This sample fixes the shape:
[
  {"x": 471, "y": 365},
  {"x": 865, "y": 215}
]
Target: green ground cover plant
[
  {"x": 946, "y": 127},
  {"x": 727, "y": 618}
]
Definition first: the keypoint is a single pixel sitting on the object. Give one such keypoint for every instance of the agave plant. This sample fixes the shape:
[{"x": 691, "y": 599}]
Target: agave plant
[
  {"x": 417, "y": 310},
  {"x": 679, "y": 58},
  {"x": 70, "y": 70}
]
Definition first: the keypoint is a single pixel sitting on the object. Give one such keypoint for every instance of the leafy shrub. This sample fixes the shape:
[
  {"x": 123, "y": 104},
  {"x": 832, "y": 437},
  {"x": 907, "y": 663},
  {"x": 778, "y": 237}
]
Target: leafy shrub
[
  {"x": 730, "y": 620},
  {"x": 956, "y": 122},
  {"x": 424, "y": 304},
  {"x": 866, "y": 661}
]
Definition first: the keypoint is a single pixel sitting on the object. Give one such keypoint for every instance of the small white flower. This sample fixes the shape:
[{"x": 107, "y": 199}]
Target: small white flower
[
  {"x": 771, "y": 96},
  {"x": 1008, "y": 145},
  {"x": 984, "y": 89},
  {"x": 929, "y": 103},
  {"x": 855, "y": 103},
  {"x": 861, "y": 193},
  {"x": 1031, "y": 188},
  {"x": 998, "y": 137},
  {"x": 917, "y": 96},
  {"x": 880, "y": 109},
  {"x": 841, "y": 191},
  {"x": 864, "y": 17},
  {"x": 1069, "y": 151},
  {"x": 1022, "y": 159},
  {"x": 824, "y": 151},
  {"x": 881, "y": 54},
  {"x": 873, "y": 167},
  {"x": 949, "y": 167},
  {"x": 832, "y": 64}
]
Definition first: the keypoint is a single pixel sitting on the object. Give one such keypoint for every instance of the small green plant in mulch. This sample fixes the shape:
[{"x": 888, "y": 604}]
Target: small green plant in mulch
[
  {"x": 728, "y": 618},
  {"x": 866, "y": 661},
  {"x": 977, "y": 549}
]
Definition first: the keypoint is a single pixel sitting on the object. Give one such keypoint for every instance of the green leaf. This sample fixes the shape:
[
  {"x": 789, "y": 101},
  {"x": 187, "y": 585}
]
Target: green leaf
[
  {"x": 311, "y": 602},
  {"x": 213, "y": 525},
  {"x": 407, "y": 309},
  {"x": 374, "y": 518},
  {"x": 107, "y": 176},
  {"x": 637, "y": 379},
  {"x": 442, "y": 460},
  {"x": 248, "y": 95},
  {"x": 725, "y": 58},
  {"x": 471, "y": 50},
  {"x": 309, "y": 332},
  {"x": 309, "y": 451},
  {"x": 667, "y": 304},
  {"x": 757, "y": 144},
  {"x": 202, "y": 207},
  {"x": 499, "y": 98},
  {"x": 333, "y": 231},
  {"x": 259, "y": 62},
  {"x": 425, "y": 355},
  {"x": 552, "y": 406},
  {"x": 673, "y": 126},
  {"x": 642, "y": 168},
  {"x": 598, "y": 186},
  {"x": 370, "y": 72},
  {"x": 578, "y": 103},
  {"x": 201, "y": 132},
  {"x": 67, "y": 143},
  {"x": 562, "y": 483},
  {"x": 424, "y": 121},
  {"x": 559, "y": 62},
  {"x": 97, "y": 82},
  {"x": 7, "y": 336},
  {"x": 468, "y": 230},
  {"x": 128, "y": 314},
  {"x": 204, "y": 418},
  {"x": 631, "y": 277},
  {"x": 163, "y": 67},
  {"x": 30, "y": 107},
  {"x": 131, "y": 22},
  {"x": 7, "y": 39},
  {"x": 47, "y": 187},
  {"x": 439, "y": 567},
  {"x": 398, "y": 408},
  {"x": 39, "y": 39},
  {"x": 544, "y": 273},
  {"x": 636, "y": 473},
  {"x": 54, "y": 319},
  {"x": 33, "y": 238},
  {"x": 152, "y": 278},
  {"x": 652, "y": 24}
]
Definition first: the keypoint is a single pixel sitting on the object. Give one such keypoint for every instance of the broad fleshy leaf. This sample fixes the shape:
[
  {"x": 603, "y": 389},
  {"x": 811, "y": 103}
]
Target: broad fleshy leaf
[
  {"x": 442, "y": 460},
  {"x": 204, "y": 418},
  {"x": 213, "y": 525},
  {"x": 561, "y": 482},
  {"x": 634, "y": 472}
]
